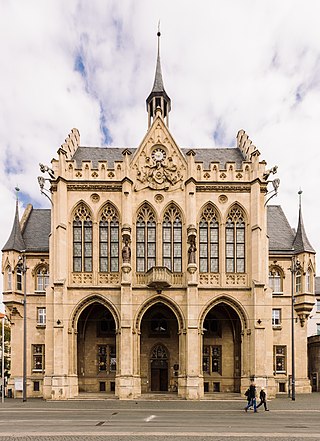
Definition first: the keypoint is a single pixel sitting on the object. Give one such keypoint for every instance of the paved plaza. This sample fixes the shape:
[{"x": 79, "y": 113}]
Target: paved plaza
[{"x": 163, "y": 420}]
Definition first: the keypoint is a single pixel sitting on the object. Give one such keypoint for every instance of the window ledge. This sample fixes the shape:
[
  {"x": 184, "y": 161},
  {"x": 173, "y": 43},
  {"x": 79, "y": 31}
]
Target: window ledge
[
  {"x": 40, "y": 326},
  {"x": 277, "y": 327},
  {"x": 277, "y": 293}
]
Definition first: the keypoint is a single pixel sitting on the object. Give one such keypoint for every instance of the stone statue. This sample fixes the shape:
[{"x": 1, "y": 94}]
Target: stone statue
[
  {"x": 126, "y": 252},
  {"x": 192, "y": 252}
]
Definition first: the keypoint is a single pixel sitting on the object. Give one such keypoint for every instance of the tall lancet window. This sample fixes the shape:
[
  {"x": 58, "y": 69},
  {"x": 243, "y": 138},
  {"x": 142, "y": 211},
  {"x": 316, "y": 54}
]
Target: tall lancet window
[
  {"x": 209, "y": 241},
  {"x": 235, "y": 241},
  {"x": 172, "y": 240},
  {"x": 82, "y": 240},
  {"x": 146, "y": 239},
  {"x": 109, "y": 240}
]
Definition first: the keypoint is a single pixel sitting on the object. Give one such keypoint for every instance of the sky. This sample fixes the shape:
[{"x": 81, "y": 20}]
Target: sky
[{"x": 227, "y": 65}]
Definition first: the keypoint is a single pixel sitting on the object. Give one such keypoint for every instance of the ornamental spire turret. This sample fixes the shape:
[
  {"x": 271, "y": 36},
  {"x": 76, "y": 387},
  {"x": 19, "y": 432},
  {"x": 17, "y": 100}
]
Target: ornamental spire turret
[
  {"x": 301, "y": 243},
  {"x": 158, "y": 98},
  {"x": 15, "y": 241}
]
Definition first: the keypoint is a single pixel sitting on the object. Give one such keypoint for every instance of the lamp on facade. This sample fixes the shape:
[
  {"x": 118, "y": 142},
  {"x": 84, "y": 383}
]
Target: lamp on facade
[
  {"x": 23, "y": 267},
  {"x": 295, "y": 266}
]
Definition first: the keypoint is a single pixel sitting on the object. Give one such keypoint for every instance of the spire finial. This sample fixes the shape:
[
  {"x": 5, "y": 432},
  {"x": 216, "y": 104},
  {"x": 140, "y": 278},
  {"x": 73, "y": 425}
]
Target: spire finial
[
  {"x": 17, "y": 189},
  {"x": 158, "y": 35},
  {"x": 300, "y": 193}
]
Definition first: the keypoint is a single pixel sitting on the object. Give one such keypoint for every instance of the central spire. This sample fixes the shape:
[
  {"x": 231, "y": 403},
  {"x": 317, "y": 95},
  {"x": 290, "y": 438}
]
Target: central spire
[{"x": 158, "y": 98}]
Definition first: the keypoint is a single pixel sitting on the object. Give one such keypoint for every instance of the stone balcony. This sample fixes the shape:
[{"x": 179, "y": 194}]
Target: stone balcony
[{"x": 158, "y": 277}]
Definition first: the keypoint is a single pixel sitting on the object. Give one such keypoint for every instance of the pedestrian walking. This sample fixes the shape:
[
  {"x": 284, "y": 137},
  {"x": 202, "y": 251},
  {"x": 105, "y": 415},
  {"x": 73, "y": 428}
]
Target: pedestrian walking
[
  {"x": 252, "y": 397},
  {"x": 263, "y": 399}
]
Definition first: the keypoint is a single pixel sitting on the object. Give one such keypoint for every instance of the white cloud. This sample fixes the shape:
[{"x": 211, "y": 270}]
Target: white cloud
[{"x": 227, "y": 65}]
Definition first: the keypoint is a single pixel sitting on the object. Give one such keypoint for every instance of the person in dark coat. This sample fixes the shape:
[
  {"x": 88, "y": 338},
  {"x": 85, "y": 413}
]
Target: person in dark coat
[
  {"x": 252, "y": 396},
  {"x": 263, "y": 399}
]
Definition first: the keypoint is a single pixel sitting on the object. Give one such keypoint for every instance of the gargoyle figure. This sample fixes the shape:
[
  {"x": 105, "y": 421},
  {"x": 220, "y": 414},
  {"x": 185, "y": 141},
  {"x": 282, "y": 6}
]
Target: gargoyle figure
[
  {"x": 44, "y": 168},
  {"x": 267, "y": 173}
]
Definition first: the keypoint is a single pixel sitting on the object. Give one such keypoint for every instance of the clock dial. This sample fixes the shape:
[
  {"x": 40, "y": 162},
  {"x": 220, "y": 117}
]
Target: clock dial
[{"x": 158, "y": 154}]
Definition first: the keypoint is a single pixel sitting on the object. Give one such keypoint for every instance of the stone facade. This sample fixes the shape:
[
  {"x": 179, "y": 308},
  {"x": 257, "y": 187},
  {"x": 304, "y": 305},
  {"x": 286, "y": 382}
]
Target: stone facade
[{"x": 155, "y": 274}]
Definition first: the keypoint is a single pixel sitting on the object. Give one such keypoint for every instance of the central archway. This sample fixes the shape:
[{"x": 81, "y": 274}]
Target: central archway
[{"x": 159, "y": 349}]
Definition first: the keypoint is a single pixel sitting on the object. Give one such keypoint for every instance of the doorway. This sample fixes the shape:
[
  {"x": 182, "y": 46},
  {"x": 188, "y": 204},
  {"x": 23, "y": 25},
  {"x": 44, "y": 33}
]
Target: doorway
[{"x": 159, "y": 369}]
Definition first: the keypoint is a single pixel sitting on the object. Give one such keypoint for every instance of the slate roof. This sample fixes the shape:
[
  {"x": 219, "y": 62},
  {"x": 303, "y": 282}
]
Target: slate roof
[
  {"x": 301, "y": 242},
  {"x": 15, "y": 241},
  {"x": 204, "y": 155},
  {"x": 281, "y": 235},
  {"x": 37, "y": 230}
]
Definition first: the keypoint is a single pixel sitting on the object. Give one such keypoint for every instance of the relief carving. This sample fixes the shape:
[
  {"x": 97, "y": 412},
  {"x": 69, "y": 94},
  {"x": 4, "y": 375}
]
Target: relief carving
[{"x": 158, "y": 171}]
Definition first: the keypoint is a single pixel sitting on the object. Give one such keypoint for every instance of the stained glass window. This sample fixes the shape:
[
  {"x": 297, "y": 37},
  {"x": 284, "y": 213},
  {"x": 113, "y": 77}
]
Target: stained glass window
[
  {"x": 172, "y": 239},
  {"x": 82, "y": 240},
  {"x": 145, "y": 239},
  {"x": 235, "y": 241},
  {"x": 109, "y": 240},
  {"x": 209, "y": 241}
]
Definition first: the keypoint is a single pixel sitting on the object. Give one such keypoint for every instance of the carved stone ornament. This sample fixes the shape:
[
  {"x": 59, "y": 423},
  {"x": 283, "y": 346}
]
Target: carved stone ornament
[
  {"x": 223, "y": 199},
  {"x": 159, "y": 171}
]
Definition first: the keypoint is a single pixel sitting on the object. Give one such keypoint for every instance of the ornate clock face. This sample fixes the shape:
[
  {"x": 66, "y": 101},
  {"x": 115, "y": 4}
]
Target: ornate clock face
[{"x": 158, "y": 154}]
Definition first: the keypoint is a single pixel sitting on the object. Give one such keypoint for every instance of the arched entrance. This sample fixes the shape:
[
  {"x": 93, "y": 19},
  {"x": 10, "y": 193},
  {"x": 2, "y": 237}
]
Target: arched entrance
[
  {"x": 96, "y": 349},
  {"x": 159, "y": 350},
  {"x": 221, "y": 350}
]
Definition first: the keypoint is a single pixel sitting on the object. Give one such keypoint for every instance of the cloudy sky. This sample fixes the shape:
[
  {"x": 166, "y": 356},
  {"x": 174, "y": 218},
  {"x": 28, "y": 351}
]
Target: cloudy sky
[{"x": 227, "y": 65}]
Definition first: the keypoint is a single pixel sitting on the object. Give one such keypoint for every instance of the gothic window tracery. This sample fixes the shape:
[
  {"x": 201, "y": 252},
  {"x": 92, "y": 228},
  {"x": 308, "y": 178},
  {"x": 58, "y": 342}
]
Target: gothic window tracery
[
  {"x": 209, "y": 241},
  {"x": 159, "y": 352},
  {"x": 235, "y": 241},
  {"x": 82, "y": 240},
  {"x": 109, "y": 240},
  {"x": 145, "y": 239},
  {"x": 172, "y": 239}
]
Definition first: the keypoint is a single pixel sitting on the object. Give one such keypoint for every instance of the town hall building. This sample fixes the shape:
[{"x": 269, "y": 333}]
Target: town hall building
[{"x": 157, "y": 270}]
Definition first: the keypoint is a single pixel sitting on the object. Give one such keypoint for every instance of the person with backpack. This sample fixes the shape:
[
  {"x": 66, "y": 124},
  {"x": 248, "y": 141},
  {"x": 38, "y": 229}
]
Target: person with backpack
[
  {"x": 263, "y": 399},
  {"x": 251, "y": 398}
]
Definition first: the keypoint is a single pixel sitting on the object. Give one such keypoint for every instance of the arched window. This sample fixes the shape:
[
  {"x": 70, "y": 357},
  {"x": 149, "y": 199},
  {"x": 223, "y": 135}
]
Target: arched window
[
  {"x": 82, "y": 240},
  {"x": 146, "y": 239},
  {"x": 298, "y": 281},
  {"x": 235, "y": 241},
  {"x": 209, "y": 241},
  {"x": 9, "y": 278},
  {"x": 309, "y": 280},
  {"x": 109, "y": 240},
  {"x": 275, "y": 281},
  {"x": 42, "y": 280},
  {"x": 19, "y": 278},
  {"x": 172, "y": 240}
]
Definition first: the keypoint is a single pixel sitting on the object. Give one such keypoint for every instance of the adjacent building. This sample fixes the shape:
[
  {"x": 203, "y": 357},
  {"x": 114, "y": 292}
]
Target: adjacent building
[{"x": 157, "y": 269}]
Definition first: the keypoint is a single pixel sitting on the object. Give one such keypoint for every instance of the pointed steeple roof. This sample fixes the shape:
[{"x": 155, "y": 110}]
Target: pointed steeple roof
[
  {"x": 158, "y": 97},
  {"x": 15, "y": 241},
  {"x": 301, "y": 243},
  {"x": 158, "y": 87}
]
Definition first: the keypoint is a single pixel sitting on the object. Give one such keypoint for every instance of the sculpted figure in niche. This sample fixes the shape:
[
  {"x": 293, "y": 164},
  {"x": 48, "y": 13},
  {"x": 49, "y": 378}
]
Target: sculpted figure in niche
[
  {"x": 192, "y": 251},
  {"x": 126, "y": 252}
]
